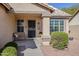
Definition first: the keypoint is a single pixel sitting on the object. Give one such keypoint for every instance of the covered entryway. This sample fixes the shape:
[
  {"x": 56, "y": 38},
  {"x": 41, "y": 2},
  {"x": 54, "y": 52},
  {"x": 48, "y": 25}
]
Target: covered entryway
[
  {"x": 30, "y": 24},
  {"x": 35, "y": 19}
]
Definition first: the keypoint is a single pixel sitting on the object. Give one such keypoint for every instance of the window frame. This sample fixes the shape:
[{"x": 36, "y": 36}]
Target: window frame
[
  {"x": 20, "y": 26},
  {"x": 59, "y": 25}
]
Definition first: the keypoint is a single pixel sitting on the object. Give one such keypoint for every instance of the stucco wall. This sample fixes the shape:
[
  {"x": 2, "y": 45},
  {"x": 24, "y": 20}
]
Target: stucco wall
[
  {"x": 7, "y": 26},
  {"x": 75, "y": 20},
  {"x": 46, "y": 26},
  {"x": 66, "y": 26},
  {"x": 74, "y": 27},
  {"x": 74, "y": 31}
]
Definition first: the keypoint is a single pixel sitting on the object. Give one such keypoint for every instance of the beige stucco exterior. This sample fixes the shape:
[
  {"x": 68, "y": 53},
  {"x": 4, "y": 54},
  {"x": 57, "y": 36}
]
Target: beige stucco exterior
[
  {"x": 74, "y": 31},
  {"x": 46, "y": 26},
  {"x": 75, "y": 20},
  {"x": 66, "y": 25},
  {"x": 7, "y": 26},
  {"x": 74, "y": 26},
  {"x": 25, "y": 12}
]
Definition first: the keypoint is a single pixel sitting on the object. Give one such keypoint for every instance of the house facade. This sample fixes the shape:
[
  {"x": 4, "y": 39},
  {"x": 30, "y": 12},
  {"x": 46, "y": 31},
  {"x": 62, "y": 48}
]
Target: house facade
[
  {"x": 74, "y": 25},
  {"x": 32, "y": 19}
]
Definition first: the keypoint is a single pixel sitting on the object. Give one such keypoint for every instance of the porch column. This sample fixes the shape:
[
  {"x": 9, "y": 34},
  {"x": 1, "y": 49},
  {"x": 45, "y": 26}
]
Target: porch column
[
  {"x": 66, "y": 26},
  {"x": 46, "y": 30}
]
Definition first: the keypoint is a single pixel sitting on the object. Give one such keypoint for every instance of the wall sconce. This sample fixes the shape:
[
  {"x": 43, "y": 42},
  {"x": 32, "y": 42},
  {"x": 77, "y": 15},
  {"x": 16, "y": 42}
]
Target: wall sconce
[{"x": 38, "y": 26}]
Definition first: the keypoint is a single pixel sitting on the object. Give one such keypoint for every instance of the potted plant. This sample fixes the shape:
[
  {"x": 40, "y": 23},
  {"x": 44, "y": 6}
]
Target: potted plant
[{"x": 40, "y": 34}]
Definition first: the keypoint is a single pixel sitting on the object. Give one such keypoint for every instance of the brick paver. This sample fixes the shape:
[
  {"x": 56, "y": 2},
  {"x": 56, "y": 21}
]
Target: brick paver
[{"x": 72, "y": 50}]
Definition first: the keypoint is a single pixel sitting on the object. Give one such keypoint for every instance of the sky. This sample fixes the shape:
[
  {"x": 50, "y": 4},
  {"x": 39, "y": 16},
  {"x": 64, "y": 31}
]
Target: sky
[{"x": 62, "y": 5}]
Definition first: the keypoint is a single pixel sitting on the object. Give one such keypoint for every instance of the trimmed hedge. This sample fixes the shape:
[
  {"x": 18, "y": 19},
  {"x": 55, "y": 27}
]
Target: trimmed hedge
[
  {"x": 9, "y": 51},
  {"x": 59, "y": 40}
]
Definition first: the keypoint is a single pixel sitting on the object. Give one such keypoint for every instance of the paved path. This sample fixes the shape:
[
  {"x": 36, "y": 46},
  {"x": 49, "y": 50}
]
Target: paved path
[
  {"x": 72, "y": 50},
  {"x": 29, "y": 47}
]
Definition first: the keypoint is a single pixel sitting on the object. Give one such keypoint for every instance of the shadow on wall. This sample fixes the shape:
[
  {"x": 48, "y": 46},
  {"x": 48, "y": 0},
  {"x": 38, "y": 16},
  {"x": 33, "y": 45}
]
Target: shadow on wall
[{"x": 70, "y": 37}]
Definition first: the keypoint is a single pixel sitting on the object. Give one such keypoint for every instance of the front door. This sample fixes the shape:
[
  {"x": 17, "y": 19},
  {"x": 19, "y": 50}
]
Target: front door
[{"x": 31, "y": 28}]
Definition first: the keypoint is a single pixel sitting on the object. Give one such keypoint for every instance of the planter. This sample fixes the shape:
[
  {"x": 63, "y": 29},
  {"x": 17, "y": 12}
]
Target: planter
[{"x": 40, "y": 34}]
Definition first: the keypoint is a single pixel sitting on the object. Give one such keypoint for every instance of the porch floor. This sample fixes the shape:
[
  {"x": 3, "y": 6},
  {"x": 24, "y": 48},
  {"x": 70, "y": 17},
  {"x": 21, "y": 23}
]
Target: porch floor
[{"x": 29, "y": 47}]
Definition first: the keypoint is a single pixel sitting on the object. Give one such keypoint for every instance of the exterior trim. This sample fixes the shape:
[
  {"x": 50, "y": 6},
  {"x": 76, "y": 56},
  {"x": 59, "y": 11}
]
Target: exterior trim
[
  {"x": 40, "y": 4},
  {"x": 6, "y": 5},
  {"x": 46, "y": 6},
  {"x": 60, "y": 17}
]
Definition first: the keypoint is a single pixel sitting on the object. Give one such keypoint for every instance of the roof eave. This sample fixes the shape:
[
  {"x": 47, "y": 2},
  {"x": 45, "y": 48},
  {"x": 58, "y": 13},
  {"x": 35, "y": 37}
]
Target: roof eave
[
  {"x": 74, "y": 15},
  {"x": 64, "y": 17},
  {"x": 46, "y": 6},
  {"x": 6, "y": 5}
]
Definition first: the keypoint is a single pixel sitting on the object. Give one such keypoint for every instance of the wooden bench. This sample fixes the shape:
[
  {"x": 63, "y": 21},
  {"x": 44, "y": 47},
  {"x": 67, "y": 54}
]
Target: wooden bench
[{"x": 18, "y": 36}]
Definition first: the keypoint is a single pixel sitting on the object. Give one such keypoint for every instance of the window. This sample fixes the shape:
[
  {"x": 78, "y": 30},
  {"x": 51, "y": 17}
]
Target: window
[
  {"x": 56, "y": 25},
  {"x": 61, "y": 25},
  {"x": 20, "y": 27}
]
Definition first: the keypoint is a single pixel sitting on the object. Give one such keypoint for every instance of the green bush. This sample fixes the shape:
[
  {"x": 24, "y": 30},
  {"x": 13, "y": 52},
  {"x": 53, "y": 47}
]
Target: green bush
[
  {"x": 9, "y": 44},
  {"x": 12, "y": 44},
  {"x": 0, "y": 51},
  {"x": 59, "y": 40},
  {"x": 9, "y": 51}
]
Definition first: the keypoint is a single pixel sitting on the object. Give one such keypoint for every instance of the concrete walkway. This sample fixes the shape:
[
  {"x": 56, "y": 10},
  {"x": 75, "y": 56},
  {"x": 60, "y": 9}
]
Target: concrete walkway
[{"x": 30, "y": 47}]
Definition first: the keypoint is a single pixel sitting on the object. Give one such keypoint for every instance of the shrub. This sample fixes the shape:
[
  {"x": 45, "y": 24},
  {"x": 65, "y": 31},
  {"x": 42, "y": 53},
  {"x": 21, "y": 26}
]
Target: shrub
[
  {"x": 12, "y": 44},
  {"x": 59, "y": 40},
  {"x": 9, "y": 51},
  {"x": 0, "y": 51}
]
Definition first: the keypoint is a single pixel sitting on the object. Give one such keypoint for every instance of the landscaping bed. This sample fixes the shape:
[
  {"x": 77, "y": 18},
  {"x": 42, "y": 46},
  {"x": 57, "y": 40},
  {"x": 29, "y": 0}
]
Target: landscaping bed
[{"x": 10, "y": 49}]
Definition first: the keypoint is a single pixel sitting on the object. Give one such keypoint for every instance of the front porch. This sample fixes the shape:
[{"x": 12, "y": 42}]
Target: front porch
[
  {"x": 30, "y": 47},
  {"x": 32, "y": 26},
  {"x": 32, "y": 19}
]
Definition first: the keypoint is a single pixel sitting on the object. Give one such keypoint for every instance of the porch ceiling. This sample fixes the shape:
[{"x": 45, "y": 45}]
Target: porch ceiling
[{"x": 27, "y": 16}]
